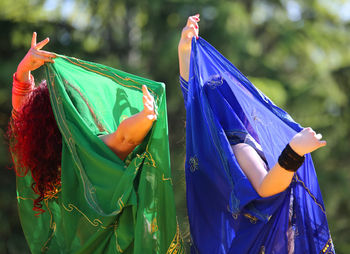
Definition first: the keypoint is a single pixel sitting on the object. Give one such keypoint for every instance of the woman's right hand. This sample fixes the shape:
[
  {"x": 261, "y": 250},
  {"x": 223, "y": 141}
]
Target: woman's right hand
[
  {"x": 149, "y": 108},
  {"x": 184, "y": 48},
  {"x": 33, "y": 59},
  {"x": 306, "y": 141},
  {"x": 191, "y": 29}
]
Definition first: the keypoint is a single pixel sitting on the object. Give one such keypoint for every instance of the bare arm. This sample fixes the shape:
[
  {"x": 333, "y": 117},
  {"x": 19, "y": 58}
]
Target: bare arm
[
  {"x": 132, "y": 130},
  {"x": 184, "y": 48},
  {"x": 23, "y": 80},
  {"x": 265, "y": 183},
  {"x": 268, "y": 183}
]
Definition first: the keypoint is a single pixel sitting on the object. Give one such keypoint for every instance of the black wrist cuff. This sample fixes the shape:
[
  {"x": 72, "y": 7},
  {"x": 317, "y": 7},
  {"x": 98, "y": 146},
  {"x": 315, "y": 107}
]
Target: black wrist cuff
[{"x": 290, "y": 160}]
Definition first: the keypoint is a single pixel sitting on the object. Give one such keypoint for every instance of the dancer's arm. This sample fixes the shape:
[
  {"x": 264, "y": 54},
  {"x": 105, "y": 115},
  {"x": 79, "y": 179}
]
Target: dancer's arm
[
  {"x": 132, "y": 130},
  {"x": 268, "y": 183},
  {"x": 23, "y": 81},
  {"x": 184, "y": 48}
]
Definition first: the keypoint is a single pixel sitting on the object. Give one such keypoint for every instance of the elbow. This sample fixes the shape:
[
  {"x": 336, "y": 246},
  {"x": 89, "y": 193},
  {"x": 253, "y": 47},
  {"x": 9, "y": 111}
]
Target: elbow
[
  {"x": 263, "y": 194},
  {"x": 127, "y": 140},
  {"x": 121, "y": 145},
  {"x": 262, "y": 190}
]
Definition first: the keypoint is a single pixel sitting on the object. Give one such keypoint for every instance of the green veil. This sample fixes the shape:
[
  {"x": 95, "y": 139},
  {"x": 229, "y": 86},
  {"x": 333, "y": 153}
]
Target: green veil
[{"x": 105, "y": 205}]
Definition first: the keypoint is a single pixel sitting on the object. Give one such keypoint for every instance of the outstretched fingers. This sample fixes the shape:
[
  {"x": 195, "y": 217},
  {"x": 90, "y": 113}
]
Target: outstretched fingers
[
  {"x": 33, "y": 43},
  {"x": 41, "y": 44},
  {"x": 37, "y": 53}
]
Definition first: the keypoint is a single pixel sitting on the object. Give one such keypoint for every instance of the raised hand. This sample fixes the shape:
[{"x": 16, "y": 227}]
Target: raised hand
[
  {"x": 184, "y": 48},
  {"x": 34, "y": 59},
  {"x": 148, "y": 104},
  {"x": 306, "y": 141},
  {"x": 191, "y": 29}
]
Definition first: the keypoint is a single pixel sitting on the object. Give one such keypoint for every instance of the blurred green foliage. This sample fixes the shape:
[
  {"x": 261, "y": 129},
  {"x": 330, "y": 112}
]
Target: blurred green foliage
[{"x": 296, "y": 52}]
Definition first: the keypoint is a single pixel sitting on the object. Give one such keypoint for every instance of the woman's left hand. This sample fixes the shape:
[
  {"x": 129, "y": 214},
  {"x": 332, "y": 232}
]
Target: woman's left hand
[
  {"x": 34, "y": 59},
  {"x": 306, "y": 141}
]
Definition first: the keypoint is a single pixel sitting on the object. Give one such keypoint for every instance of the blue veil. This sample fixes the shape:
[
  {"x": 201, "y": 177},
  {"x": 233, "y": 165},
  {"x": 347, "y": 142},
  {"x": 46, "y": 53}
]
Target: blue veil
[{"x": 226, "y": 214}]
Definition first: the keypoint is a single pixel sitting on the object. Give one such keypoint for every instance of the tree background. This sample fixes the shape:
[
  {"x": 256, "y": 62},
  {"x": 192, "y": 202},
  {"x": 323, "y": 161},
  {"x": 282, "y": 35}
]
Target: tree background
[{"x": 297, "y": 52}]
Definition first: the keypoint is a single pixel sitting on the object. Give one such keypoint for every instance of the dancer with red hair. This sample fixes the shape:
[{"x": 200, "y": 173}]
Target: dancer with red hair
[
  {"x": 86, "y": 199},
  {"x": 37, "y": 141}
]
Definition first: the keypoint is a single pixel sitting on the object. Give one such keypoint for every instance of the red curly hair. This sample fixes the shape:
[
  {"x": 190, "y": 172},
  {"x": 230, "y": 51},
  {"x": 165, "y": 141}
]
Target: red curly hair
[{"x": 36, "y": 144}]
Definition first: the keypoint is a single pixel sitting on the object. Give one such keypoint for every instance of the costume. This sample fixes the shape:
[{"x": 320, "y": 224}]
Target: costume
[
  {"x": 226, "y": 214},
  {"x": 104, "y": 204}
]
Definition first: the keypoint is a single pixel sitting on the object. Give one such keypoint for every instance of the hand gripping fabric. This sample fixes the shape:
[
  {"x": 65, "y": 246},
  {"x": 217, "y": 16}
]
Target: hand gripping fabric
[
  {"x": 225, "y": 212},
  {"x": 105, "y": 205}
]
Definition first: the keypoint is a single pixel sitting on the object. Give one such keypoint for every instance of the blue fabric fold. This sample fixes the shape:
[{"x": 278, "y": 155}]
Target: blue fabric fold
[{"x": 226, "y": 214}]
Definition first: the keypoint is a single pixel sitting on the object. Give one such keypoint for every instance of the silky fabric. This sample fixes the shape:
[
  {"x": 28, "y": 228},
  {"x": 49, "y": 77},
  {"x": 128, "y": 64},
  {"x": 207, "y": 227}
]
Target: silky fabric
[
  {"x": 104, "y": 204},
  {"x": 226, "y": 214}
]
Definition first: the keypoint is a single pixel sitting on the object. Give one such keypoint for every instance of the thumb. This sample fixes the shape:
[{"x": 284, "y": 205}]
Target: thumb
[{"x": 322, "y": 143}]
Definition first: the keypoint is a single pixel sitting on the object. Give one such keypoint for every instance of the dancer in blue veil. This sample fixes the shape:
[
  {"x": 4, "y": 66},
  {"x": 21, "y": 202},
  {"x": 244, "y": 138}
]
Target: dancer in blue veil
[{"x": 251, "y": 183}]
